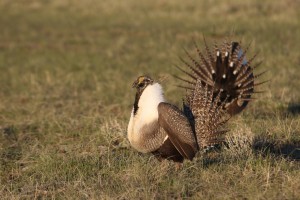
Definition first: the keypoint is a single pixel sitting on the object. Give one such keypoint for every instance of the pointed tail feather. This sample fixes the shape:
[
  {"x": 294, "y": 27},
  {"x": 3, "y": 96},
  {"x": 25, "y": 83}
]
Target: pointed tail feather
[
  {"x": 209, "y": 116},
  {"x": 227, "y": 71}
]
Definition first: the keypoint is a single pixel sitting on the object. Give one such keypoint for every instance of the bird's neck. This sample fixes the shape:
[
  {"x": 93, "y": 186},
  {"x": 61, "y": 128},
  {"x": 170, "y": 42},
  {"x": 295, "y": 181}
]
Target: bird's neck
[{"x": 147, "y": 101}]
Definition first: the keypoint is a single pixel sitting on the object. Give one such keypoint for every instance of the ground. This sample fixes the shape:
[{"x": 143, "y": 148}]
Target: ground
[{"x": 66, "y": 69}]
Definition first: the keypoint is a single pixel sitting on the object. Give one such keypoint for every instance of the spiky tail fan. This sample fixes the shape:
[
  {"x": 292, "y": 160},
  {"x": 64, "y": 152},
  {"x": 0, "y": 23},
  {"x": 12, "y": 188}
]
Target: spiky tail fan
[
  {"x": 207, "y": 115},
  {"x": 226, "y": 72}
]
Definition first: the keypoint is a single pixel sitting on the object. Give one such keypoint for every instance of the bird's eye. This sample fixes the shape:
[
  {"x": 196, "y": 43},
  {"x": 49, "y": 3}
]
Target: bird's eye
[{"x": 141, "y": 85}]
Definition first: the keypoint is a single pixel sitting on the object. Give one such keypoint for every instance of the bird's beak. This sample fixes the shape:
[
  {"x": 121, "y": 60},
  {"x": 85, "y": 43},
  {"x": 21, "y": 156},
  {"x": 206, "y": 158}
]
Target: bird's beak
[{"x": 134, "y": 84}]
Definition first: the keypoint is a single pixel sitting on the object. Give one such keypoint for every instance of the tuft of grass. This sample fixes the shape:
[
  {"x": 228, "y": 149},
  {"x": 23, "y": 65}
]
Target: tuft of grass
[{"x": 66, "y": 69}]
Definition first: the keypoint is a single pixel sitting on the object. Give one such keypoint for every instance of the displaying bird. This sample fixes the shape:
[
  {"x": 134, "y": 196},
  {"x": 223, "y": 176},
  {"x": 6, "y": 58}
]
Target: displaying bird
[{"x": 221, "y": 85}]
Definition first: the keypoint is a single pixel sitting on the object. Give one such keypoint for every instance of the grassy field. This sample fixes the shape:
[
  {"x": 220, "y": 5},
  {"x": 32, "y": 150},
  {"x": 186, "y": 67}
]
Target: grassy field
[{"x": 66, "y": 69}]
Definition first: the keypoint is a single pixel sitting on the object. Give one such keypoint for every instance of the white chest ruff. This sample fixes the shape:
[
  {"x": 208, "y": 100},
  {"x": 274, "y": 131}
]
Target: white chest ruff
[{"x": 146, "y": 114}]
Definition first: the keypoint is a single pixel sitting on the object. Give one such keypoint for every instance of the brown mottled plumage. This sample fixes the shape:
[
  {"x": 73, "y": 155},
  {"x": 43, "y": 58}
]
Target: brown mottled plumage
[
  {"x": 226, "y": 71},
  {"x": 208, "y": 115},
  {"x": 178, "y": 128}
]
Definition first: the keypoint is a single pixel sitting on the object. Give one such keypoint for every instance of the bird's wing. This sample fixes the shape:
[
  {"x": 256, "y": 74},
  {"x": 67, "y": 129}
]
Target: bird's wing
[{"x": 178, "y": 128}]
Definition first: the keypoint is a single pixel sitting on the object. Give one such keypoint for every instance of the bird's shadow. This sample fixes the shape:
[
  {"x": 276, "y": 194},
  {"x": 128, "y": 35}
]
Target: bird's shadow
[
  {"x": 289, "y": 149},
  {"x": 261, "y": 146},
  {"x": 294, "y": 109},
  {"x": 267, "y": 146}
]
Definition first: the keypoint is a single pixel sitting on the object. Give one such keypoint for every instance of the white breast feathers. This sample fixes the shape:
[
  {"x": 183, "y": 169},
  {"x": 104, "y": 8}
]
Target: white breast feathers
[{"x": 147, "y": 112}]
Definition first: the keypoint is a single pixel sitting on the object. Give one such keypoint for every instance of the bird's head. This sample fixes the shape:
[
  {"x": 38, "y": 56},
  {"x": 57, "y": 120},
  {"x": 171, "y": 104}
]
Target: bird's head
[
  {"x": 142, "y": 82},
  {"x": 148, "y": 93}
]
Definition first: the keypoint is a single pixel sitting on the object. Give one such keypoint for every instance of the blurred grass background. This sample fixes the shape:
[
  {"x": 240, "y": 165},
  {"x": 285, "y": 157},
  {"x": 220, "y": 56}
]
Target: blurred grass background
[{"x": 66, "y": 69}]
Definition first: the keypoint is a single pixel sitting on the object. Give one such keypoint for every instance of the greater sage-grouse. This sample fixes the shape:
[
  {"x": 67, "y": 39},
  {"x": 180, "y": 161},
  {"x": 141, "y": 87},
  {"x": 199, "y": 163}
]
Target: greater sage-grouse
[{"x": 219, "y": 84}]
